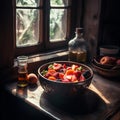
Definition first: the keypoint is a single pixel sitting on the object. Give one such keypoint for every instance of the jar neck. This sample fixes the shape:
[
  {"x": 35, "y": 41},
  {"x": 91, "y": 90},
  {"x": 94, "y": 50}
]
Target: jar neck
[{"x": 78, "y": 35}]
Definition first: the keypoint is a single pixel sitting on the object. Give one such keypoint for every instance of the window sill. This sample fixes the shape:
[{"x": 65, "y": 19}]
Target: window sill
[{"x": 34, "y": 62}]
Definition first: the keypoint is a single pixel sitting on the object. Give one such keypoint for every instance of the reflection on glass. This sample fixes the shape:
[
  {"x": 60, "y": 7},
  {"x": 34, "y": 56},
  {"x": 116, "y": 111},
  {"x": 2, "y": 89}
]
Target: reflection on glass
[
  {"x": 28, "y": 3},
  {"x": 58, "y": 19},
  {"x": 27, "y": 31},
  {"x": 21, "y": 92},
  {"x": 58, "y": 2}
]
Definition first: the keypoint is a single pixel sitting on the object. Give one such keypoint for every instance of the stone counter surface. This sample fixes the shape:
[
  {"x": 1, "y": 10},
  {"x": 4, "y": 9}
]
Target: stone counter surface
[{"x": 100, "y": 98}]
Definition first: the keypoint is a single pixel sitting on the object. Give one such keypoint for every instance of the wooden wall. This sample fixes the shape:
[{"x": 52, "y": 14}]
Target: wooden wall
[
  {"x": 110, "y": 23},
  {"x": 6, "y": 34},
  {"x": 101, "y": 21},
  {"x": 92, "y": 10}
]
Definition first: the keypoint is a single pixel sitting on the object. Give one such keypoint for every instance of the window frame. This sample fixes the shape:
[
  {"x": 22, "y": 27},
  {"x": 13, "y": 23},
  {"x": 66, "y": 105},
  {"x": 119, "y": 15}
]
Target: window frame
[
  {"x": 46, "y": 45},
  {"x": 29, "y": 49},
  {"x": 63, "y": 42}
]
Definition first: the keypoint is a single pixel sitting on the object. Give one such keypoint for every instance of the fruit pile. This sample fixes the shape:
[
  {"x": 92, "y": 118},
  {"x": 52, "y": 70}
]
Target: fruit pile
[
  {"x": 64, "y": 73},
  {"x": 107, "y": 60}
]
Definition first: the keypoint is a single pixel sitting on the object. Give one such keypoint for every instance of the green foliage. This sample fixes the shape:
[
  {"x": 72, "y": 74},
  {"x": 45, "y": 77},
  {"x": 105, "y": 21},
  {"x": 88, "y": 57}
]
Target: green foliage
[
  {"x": 26, "y": 2},
  {"x": 27, "y": 18},
  {"x": 56, "y": 2}
]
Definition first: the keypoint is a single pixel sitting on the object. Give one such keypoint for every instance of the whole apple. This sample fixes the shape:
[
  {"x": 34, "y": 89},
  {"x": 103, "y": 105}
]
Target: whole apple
[
  {"x": 118, "y": 62},
  {"x": 32, "y": 78}
]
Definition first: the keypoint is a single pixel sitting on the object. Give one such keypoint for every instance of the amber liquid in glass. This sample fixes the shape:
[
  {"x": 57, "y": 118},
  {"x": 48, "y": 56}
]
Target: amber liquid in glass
[
  {"x": 77, "y": 56},
  {"x": 22, "y": 79},
  {"x": 81, "y": 56}
]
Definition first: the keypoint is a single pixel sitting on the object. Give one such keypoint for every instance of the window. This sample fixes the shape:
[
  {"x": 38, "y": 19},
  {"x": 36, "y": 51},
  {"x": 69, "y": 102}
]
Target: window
[{"x": 41, "y": 25}]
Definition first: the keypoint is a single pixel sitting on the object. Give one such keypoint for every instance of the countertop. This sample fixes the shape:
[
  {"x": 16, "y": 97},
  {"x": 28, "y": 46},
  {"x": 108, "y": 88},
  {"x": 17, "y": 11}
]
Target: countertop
[{"x": 101, "y": 99}]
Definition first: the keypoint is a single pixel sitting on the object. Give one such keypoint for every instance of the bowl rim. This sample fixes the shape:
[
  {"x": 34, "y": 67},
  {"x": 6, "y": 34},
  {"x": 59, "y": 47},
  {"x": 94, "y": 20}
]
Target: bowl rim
[
  {"x": 79, "y": 83},
  {"x": 109, "y": 73},
  {"x": 109, "y": 47}
]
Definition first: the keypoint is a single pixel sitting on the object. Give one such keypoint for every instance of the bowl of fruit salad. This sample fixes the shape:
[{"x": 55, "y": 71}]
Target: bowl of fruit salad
[{"x": 64, "y": 78}]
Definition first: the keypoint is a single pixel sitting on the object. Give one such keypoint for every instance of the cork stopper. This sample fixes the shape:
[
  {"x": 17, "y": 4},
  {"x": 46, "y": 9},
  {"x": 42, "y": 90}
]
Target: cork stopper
[{"x": 79, "y": 30}]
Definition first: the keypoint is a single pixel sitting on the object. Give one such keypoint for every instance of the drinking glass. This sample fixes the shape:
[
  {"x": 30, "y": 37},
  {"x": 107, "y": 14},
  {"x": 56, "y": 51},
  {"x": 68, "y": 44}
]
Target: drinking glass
[{"x": 22, "y": 71}]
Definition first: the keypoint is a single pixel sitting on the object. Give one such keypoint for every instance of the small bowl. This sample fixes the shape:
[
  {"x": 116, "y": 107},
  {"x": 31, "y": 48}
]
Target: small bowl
[
  {"x": 106, "y": 71},
  {"x": 60, "y": 89},
  {"x": 96, "y": 61},
  {"x": 109, "y": 50}
]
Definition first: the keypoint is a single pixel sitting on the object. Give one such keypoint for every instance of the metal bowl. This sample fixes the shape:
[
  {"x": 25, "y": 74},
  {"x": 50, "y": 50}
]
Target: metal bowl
[{"x": 61, "y": 89}]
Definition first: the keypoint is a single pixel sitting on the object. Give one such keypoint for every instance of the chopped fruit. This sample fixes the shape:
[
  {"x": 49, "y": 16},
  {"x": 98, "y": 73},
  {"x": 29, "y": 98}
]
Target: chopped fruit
[
  {"x": 57, "y": 66},
  {"x": 64, "y": 73},
  {"x": 51, "y": 78}
]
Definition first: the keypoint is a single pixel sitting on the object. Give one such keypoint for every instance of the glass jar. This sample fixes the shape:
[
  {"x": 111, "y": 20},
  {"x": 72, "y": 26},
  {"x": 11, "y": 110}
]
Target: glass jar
[
  {"x": 22, "y": 71},
  {"x": 77, "y": 47}
]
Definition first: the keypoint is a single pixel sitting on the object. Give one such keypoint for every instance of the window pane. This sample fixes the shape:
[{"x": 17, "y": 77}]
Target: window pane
[
  {"x": 27, "y": 30},
  {"x": 26, "y": 3},
  {"x": 58, "y": 20},
  {"x": 59, "y": 2}
]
